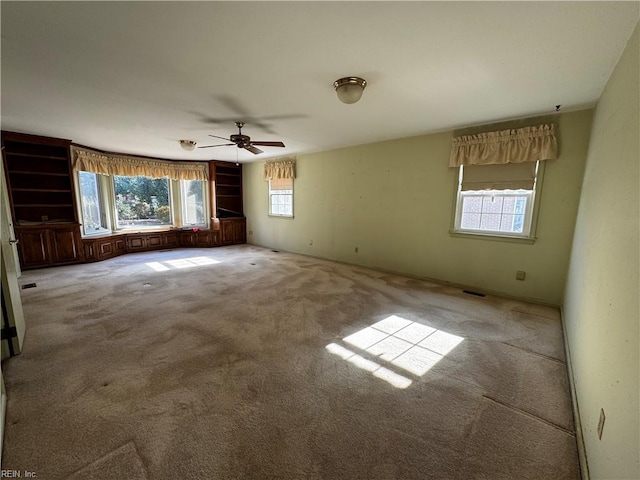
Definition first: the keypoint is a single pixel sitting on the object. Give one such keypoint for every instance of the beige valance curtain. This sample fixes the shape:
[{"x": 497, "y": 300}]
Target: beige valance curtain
[
  {"x": 282, "y": 169},
  {"x": 104, "y": 164},
  {"x": 528, "y": 144}
]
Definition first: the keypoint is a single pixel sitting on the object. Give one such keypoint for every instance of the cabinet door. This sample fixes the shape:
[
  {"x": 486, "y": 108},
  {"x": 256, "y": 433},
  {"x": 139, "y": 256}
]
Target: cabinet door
[
  {"x": 90, "y": 250},
  {"x": 227, "y": 231},
  {"x": 120, "y": 245},
  {"x": 203, "y": 239},
  {"x": 65, "y": 245},
  {"x": 154, "y": 241},
  {"x": 33, "y": 248},
  {"x": 170, "y": 240},
  {"x": 105, "y": 248},
  {"x": 136, "y": 242},
  {"x": 240, "y": 230},
  {"x": 187, "y": 239},
  {"x": 233, "y": 230}
]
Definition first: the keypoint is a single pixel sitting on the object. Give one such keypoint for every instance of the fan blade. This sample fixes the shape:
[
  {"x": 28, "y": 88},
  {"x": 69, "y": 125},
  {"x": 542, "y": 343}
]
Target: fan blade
[
  {"x": 221, "y": 145},
  {"x": 253, "y": 149},
  {"x": 268, "y": 144},
  {"x": 216, "y": 136}
]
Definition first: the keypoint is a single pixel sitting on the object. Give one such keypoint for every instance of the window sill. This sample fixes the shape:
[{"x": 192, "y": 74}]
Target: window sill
[
  {"x": 154, "y": 229},
  {"x": 280, "y": 216},
  {"x": 494, "y": 238}
]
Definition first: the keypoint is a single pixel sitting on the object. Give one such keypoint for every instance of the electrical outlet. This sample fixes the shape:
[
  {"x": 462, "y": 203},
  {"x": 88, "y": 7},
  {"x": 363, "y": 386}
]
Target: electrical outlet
[
  {"x": 520, "y": 275},
  {"x": 310, "y": 242},
  {"x": 601, "y": 424},
  {"x": 356, "y": 249},
  {"x": 250, "y": 232}
]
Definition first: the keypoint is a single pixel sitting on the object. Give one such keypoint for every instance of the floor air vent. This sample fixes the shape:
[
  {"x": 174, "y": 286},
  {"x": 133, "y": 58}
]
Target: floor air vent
[
  {"x": 29, "y": 285},
  {"x": 477, "y": 294}
]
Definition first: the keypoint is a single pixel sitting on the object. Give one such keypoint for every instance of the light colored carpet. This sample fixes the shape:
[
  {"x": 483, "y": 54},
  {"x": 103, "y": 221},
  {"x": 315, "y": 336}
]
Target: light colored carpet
[{"x": 244, "y": 363}]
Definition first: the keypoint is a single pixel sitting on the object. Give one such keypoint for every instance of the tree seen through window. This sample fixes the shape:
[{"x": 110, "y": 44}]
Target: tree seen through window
[{"x": 142, "y": 201}]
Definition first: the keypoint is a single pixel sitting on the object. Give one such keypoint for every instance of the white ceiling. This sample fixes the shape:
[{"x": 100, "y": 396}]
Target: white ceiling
[{"x": 135, "y": 77}]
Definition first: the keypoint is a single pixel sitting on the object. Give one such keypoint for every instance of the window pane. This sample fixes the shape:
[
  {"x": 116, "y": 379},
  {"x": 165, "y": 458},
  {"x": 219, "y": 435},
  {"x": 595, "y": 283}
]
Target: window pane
[
  {"x": 193, "y": 202},
  {"x": 470, "y": 221},
  {"x": 501, "y": 211},
  {"x": 141, "y": 201},
  {"x": 490, "y": 221},
  {"x": 492, "y": 204},
  {"x": 90, "y": 200},
  {"x": 472, "y": 204},
  {"x": 281, "y": 204}
]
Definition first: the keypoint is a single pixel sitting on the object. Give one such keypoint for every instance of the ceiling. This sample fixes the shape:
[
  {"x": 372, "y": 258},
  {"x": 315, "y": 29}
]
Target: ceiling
[{"x": 136, "y": 77}]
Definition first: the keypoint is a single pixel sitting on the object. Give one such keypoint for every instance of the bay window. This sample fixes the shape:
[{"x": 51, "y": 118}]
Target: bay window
[{"x": 112, "y": 199}]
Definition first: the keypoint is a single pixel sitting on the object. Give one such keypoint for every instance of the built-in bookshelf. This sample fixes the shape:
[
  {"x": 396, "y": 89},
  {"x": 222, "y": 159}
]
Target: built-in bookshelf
[
  {"x": 38, "y": 171},
  {"x": 228, "y": 189},
  {"x": 41, "y": 193}
]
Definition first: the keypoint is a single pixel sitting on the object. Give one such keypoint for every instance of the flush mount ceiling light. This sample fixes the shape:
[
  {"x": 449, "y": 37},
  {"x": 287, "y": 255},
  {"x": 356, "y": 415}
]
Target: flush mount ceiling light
[
  {"x": 188, "y": 144},
  {"x": 349, "y": 89}
]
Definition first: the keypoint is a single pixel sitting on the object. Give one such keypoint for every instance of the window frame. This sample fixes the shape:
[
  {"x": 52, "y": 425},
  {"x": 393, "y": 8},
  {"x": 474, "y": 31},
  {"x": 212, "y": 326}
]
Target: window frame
[
  {"x": 181, "y": 190},
  {"x": 114, "y": 212},
  {"x": 105, "y": 213},
  {"x": 272, "y": 192},
  {"x": 531, "y": 212},
  {"x": 106, "y": 191}
]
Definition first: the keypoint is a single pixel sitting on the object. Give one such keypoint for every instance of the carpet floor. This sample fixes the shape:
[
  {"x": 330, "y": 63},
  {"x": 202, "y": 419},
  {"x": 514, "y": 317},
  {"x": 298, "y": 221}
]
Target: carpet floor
[{"x": 245, "y": 363}]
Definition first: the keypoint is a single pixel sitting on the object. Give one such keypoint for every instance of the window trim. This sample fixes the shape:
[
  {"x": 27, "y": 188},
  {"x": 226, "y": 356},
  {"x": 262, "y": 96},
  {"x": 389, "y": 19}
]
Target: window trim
[
  {"x": 104, "y": 205},
  {"x": 500, "y": 236},
  {"x": 108, "y": 207},
  {"x": 280, "y": 215},
  {"x": 181, "y": 195}
]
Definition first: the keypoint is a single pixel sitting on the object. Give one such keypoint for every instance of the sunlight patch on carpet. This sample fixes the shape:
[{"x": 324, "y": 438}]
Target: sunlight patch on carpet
[
  {"x": 181, "y": 263},
  {"x": 411, "y": 346}
]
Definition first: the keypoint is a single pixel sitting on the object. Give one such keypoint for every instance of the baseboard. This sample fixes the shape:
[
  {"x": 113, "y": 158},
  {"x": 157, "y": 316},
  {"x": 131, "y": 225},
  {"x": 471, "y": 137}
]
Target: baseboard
[
  {"x": 582, "y": 453},
  {"x": 440, "y": 281}
]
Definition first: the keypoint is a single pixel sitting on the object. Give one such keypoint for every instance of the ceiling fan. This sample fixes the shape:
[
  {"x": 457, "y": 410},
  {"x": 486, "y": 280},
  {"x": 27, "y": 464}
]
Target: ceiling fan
[{"x": 244, "y": 141}]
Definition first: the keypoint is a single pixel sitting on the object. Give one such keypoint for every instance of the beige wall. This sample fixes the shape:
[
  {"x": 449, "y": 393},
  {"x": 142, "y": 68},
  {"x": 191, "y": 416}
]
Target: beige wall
[
  {"x": 601, "y": 307},
  {"x": 393, "y": 201}
]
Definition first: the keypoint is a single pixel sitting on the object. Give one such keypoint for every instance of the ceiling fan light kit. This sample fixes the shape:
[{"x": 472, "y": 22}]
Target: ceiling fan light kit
[
  {"x": 188, "y": 144},
  {"x": 349, "y": 89}
]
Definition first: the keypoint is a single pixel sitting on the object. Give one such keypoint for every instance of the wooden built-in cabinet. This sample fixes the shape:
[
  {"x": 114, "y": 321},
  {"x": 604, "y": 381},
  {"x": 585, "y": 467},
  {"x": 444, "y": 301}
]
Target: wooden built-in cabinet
[
  {"x": 42, "y": 197},
  {"x": 101, "y": 248},
  {"x": 226, "y": 180},
  {"x": 45, "y": 218},
  {"x": 38, "y": 172},
  {"x": 44, "y": 246},
  {"x": 200, "y": 238},
  {"x": 104, "y": 247},
  {"x": 233, "y": 230}
]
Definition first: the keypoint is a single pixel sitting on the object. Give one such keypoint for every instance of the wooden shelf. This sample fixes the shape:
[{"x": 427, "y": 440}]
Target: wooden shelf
[
  {"x": 42, "y": 205},
  {"x": 227, "y": 188},
  {"x": 56, "y": 190},
  {"x": 35, "y": 155},
  {"x": 28, "y": 172},
  {"x": 42, "y": 198}
]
